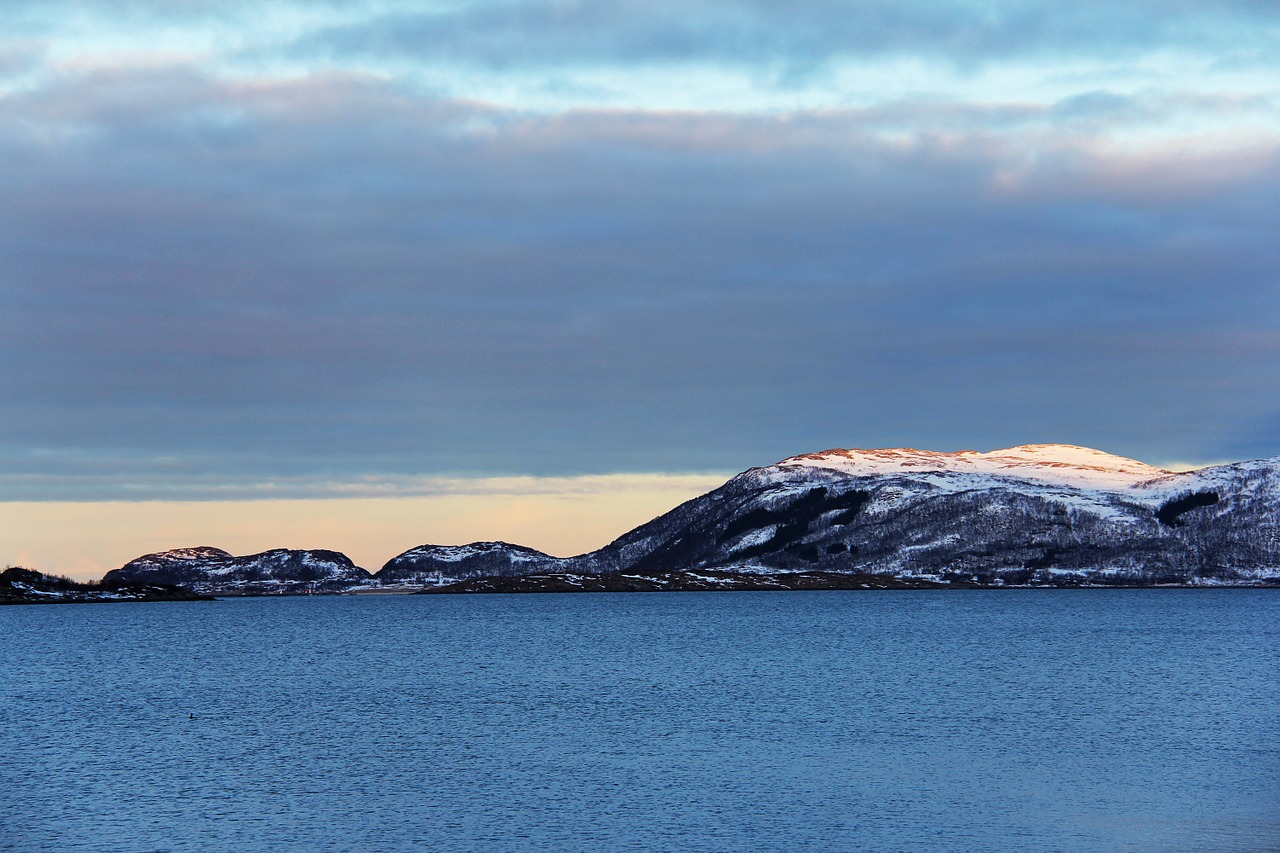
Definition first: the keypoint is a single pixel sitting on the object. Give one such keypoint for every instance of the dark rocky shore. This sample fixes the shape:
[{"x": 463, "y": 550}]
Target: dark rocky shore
[
  {"x": 708, "y": 580},
  {"x": 685, "y": 581},
  {"x": 26, "y": 586}
]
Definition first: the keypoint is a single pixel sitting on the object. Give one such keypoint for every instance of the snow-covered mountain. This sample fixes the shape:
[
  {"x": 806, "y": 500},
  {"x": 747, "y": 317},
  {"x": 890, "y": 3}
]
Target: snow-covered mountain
[
  {"x": 1035, "y": 514},
  {"x": 216, "y": 572},
  {"x": 1039, "y": 514},
  {"x": 1031, "y": 514}
]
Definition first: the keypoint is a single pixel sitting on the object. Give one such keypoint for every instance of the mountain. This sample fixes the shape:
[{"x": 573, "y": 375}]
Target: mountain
[
  {"x": 1039, "y": 514},
  {"x": 216, "y": 572},
  {"x": 1035, "y": 515}
]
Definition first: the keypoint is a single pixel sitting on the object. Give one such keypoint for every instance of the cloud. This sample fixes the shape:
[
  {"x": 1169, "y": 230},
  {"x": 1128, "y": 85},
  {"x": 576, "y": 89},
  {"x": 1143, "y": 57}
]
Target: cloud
[
  {"x": 18, "y": 55},
  {"x": 790, "y": 37},
  {"x": 211, "y": 282},
  {"x": 757, "y": 55}
]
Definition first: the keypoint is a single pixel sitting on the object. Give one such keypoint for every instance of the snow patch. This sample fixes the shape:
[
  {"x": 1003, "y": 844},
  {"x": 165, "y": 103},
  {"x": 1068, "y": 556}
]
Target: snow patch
[{"x": 1061, "y": 464}]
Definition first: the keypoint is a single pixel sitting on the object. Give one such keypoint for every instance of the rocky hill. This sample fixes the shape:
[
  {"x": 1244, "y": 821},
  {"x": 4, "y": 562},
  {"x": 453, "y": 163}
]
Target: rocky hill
[
  {"x": 441, "y": 564},
  {"x": 216, "y": 572}
]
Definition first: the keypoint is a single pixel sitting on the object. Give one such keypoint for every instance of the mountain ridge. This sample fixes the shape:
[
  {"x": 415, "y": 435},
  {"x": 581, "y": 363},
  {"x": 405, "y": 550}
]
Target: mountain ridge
[
  {"x": 1062, "y": 463},
  {"x": 1035, "y": 514}
]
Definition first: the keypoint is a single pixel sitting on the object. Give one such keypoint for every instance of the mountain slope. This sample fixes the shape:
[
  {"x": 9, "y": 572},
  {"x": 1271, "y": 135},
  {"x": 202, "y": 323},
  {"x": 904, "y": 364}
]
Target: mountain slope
[{"x": 1035, "y": 514}]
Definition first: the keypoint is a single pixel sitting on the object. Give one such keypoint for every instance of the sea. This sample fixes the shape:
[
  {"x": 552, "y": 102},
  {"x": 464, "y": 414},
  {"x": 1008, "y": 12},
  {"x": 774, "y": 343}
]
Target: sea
[{"x": 965, "y": 720}]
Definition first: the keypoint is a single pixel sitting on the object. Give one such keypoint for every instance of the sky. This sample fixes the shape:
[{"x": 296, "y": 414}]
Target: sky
[{"x": 336, "y": 274}]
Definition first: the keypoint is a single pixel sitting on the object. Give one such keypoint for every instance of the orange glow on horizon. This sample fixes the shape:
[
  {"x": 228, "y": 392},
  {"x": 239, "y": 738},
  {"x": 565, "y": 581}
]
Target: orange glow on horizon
[{"x": 87, "y": 539}]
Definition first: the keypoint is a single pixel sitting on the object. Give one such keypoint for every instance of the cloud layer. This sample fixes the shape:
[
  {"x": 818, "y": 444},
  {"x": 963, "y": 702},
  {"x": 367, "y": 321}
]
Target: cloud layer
[{"x": 233, "y": 262}]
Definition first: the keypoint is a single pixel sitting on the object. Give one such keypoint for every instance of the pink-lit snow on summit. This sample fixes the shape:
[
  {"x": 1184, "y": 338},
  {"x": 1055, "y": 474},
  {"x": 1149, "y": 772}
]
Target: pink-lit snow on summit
[{"x": 1058, "y": 464}]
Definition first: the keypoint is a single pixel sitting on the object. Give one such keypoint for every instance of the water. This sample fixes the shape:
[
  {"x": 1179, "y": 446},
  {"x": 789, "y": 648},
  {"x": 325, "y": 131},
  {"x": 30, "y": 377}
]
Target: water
[{"x": 976, "y": 720}]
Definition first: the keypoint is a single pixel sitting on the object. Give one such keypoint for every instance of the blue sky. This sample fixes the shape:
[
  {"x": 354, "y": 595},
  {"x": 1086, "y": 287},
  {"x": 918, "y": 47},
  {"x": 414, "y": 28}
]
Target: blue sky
[{"x": 325, "y": 249}]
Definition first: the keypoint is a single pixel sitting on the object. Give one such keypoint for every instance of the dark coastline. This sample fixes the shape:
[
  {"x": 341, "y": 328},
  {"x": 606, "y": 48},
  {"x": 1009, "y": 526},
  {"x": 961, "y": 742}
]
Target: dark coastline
[
  {"x": 26, "y": 586},
  {"x": 722, "y": 581},
  {"x": 23, "y": 586}
]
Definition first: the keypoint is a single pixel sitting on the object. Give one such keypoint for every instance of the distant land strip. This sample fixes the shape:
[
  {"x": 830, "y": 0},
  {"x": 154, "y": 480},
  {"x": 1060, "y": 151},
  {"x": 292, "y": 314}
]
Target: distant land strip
[{"x": 1038, "y": 515}]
